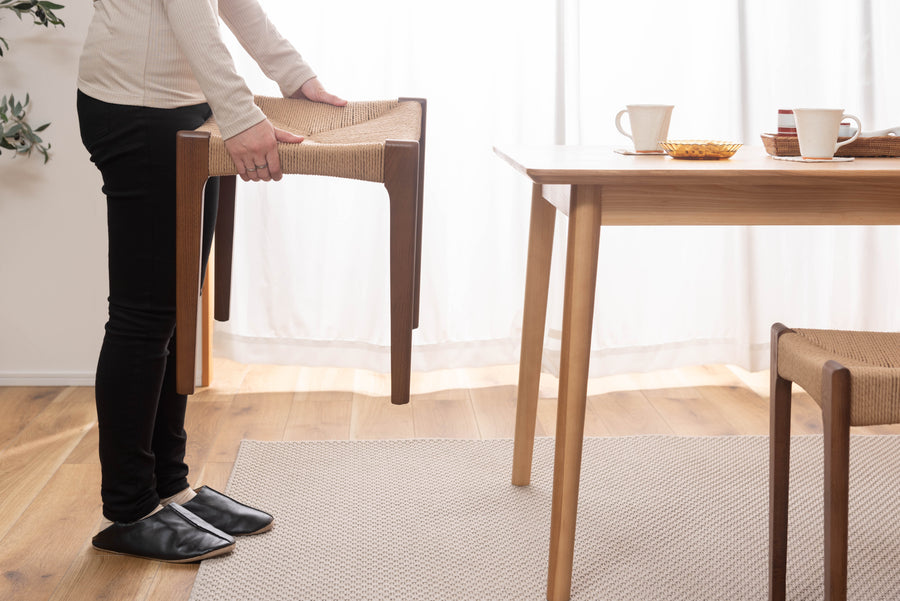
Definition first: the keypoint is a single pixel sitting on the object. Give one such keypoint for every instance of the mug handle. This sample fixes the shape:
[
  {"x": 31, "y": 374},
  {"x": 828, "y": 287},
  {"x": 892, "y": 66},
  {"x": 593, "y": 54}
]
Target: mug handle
[
  {"x": 619, "y": 124},
  {"x": 854, "y": 136}
]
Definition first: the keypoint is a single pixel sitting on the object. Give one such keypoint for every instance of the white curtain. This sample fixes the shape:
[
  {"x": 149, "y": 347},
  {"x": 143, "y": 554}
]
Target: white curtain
[{"x": 311, "y": 263}]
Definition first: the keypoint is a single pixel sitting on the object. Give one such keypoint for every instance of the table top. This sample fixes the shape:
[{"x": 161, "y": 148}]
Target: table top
[
  {"x": 599, "y": 164},
  {"x": 750, "y": 188}
]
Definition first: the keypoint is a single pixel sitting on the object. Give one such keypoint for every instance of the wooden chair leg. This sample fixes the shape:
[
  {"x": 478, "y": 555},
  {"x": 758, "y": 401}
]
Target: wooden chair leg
[
  {"x": 419, "y": 204},
  {"x": 224, "y": 247},
  {"x": 836, "y": 414},
  {"x": 207, "y": 299},
  {"x": 401, "y": 180},
  {"x": 779, "y": 471},
  {"x": 534, "y": 319},
  {"x": 192, "y": 150},
  {"x": 207, "y": 284}
]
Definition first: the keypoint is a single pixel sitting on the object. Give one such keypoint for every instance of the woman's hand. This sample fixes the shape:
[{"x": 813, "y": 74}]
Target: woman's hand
[
  {"x": 313, "y": 90},
  {"x": 255, "y": 152}
]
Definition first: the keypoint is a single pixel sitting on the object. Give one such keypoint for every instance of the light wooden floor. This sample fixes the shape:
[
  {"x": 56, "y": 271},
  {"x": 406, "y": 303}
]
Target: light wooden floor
[{"x": 49, "y": 472}]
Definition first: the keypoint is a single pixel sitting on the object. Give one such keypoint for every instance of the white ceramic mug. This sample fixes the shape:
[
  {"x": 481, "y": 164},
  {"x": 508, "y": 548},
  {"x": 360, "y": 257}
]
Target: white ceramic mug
[
  {"x": 817, "y": 131},
  {"x": 649, "y": 125}
]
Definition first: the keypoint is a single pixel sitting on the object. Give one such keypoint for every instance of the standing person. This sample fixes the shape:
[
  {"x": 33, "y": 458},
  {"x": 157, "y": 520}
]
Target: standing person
[{"x": 148, "y": 69}]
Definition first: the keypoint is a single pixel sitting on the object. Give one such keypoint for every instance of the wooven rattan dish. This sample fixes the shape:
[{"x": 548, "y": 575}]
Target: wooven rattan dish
[
  {"x": 699, "y": 149},
  {"x": 783, "y": 145}
]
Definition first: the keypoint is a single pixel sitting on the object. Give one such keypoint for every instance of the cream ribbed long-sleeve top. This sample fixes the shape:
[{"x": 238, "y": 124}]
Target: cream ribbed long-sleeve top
[{"x": 168, "y": 53}]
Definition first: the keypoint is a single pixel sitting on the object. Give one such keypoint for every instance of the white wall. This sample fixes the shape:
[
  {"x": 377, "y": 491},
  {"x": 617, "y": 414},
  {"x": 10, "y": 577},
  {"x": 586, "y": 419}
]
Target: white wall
[{"x": 52, "y": 217}]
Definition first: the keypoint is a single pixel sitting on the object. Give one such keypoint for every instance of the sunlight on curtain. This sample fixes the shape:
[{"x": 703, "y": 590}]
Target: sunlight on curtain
[
  {"x": 311, "y": 254},
  {"x": 311, "y": 266}
]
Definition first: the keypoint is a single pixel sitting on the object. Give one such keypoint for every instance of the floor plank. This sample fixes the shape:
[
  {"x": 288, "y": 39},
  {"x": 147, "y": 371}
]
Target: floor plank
[
  {"x": 319, "y": 416},
  {"x": 203, "y": 422},
  {"x": 251, "y": 415},
  {"x": 444, "y": 414},
  {"x": 375, "y": 417},
  {"x": 690, "y": 413},
  {"x": 97, "y": 576},
  {"x": 86, "y": 449},
  {"x": 623, "y": 413},
  {"x": 19, "y": 405},
  {"x": 32, "y": 457},
  {"x": 214, "y": 474},
  {"x": 495, "y": 412},
  {"x": 320, "y": 410},
  {"x": 50, "y": 533},
  {"x": 743, "y": 408},
  {"x": 172, "y": 581}
]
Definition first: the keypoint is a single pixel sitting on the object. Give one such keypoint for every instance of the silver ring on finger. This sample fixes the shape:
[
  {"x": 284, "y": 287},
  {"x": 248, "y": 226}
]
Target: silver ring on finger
[
  {"x": 249, "y": 169},
  {"x": 266, "y": 166}
]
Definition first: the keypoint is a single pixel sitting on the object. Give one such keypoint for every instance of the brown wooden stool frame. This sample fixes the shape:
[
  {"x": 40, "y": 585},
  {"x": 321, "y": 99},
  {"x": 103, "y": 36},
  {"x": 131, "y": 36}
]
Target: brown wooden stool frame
[
  {"x": 836, "y": 427},
  {"x": 404, "y": 169}
]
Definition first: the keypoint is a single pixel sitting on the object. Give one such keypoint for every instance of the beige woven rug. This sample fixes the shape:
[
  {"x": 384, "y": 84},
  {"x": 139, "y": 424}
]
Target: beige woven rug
[{"x": 660, "y": 518}]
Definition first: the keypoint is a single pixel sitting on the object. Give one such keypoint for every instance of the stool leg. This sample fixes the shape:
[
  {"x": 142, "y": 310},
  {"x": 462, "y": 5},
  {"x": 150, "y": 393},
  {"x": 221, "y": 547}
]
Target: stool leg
[
  {"x": 192, "y": 171},
  {"x": 224, "y": 247},
  {"x": 779, "y": 471},
  {"x": 836, "y": 414},
  {"x": 401, "y": 180},
  {"x": 419, "y": 202},
  {"x": 534, "y": 318},
  {"x": 207, "y": 299}
]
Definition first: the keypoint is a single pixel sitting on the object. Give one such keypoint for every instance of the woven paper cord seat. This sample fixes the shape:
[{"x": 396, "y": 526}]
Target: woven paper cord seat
[
  {"x": 378, "y": 141},
  {"x": 855, "y": 379}
]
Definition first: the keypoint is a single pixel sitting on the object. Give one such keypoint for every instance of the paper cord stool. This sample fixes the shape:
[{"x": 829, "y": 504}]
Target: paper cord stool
[
  {"x": 378, "y": 141},
  {"x": 855, "y": 378}
]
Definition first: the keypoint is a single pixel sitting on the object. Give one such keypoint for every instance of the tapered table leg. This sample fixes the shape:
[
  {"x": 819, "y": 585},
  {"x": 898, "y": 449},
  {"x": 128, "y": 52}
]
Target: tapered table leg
[
  {"x": 537, "y": 282},
  {"x": 578, "y": 312}
]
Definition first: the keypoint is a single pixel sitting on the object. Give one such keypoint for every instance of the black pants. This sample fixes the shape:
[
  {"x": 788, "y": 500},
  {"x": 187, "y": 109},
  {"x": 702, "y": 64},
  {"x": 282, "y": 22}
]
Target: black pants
[{"x": 140, "y": 416}]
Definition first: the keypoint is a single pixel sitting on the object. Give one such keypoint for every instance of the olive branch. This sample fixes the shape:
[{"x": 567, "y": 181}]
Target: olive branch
[
  {"x": 40, "y": 11},
  {"x": 15, "y": 132}
]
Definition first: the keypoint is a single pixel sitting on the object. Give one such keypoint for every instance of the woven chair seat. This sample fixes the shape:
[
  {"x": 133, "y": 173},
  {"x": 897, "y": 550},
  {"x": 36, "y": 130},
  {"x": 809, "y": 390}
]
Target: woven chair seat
[
  {"x": 346, "y": 142},
  {"x": 873, "y": 359}
]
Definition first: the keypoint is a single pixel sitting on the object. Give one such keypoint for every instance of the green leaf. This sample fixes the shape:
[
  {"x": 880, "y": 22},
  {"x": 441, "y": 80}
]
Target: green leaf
[
  {"x": 50, "y": 5},
  {"x": 16, "y": 133}
]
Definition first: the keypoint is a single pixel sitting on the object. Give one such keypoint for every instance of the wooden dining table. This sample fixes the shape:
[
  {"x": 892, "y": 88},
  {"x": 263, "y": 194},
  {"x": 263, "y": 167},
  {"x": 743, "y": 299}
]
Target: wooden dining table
[{"x": 596, "y": 186}]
